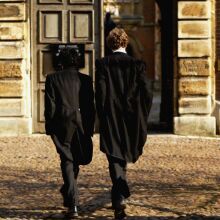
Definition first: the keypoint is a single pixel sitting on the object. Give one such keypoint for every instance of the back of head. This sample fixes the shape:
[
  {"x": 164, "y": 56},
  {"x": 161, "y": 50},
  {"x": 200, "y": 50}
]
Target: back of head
[
  {"x": 69, "y": 58},
  {"x": 117, "y": 38}
]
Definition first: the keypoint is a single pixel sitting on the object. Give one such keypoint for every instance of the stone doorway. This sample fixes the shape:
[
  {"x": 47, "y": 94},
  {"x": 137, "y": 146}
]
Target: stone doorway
[
  {"x": 168, "y": 13},
  {"x": 61, "y": 22},
  {"x": 155, "y": 113},
  {"x": 151, "y": 29}
]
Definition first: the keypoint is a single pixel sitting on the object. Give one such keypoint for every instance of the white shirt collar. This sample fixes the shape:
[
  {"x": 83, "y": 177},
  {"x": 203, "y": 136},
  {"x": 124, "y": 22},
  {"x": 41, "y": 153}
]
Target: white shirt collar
[{"x": 120, "y": 49}]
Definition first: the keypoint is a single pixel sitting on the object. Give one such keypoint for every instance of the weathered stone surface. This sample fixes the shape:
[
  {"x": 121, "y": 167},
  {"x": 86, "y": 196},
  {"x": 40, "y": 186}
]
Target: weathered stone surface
[
  {"x": 194, "y": 29},
  {"x": 195, "y": 105},
  {"x": 11, "y": 69},
  {"x": 194, "y": 67},
  {"x": 11, "y": 88},
  {"x": 194, "y": 48},
  {"x": 195, "y": 125},
  {"x": 11, "y": 31},
  {"x": 193, "y": 9},
  {"x": 11, "y": 107},
  {"x": 15, "y": 126},
  {"x": 195, "y": 86},
  {"x": 12, "y": 11},
  {"x": 12, "y": 50}
]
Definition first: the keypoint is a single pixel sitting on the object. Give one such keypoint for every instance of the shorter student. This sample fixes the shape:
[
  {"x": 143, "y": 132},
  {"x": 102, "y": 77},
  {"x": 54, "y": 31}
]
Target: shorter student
[{"x": 69, "y": 120}]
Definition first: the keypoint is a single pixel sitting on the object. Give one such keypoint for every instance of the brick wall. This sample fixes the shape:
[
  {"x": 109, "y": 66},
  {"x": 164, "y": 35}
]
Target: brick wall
[{"x": 218, "y": 50}]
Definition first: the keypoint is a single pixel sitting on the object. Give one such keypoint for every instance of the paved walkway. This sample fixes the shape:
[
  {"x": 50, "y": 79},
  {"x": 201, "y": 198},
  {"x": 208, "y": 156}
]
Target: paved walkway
[{"x": 176, "y": 178}]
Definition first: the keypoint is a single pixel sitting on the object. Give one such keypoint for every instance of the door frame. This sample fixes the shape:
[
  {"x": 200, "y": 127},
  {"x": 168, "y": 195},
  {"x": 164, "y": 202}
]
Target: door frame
[
  {"x": 168, "y": 65},
  {"x": 98, "y": 43}
]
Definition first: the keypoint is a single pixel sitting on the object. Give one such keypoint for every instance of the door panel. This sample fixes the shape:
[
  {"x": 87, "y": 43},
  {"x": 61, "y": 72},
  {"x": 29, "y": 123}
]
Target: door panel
[
  {"x": 81, "y": 26},
  {"x": 41, "y": 108},
  {"x": 50, "y": 1},
  {"x": 61, "y": 22},
  {"x": 89, "y": 62},
  {"x": 51, "y": 26},
  {"x": 81, "y": 2},
  {"x": 45, "y": 64}
]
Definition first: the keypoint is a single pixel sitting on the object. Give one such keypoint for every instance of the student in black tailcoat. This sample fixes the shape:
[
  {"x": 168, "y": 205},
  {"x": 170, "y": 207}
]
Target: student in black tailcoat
[
  {"x": 69, "y": 120},
  {"x": 123, "y": 101}
]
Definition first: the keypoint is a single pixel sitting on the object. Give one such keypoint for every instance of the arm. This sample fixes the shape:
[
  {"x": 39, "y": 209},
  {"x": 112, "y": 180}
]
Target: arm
[
  {"x": 100, "y": 88},
  {"x": 92, "y": 108},
  {"x": 49, "y": 103},
  {"x": 87, "y": 105}
]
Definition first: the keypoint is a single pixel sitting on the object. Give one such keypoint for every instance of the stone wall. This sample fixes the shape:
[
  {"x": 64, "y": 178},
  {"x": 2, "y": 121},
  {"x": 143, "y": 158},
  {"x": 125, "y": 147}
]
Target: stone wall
[
  {"x": 195, "y": 69},
  {"x": 15, "y": 113}
]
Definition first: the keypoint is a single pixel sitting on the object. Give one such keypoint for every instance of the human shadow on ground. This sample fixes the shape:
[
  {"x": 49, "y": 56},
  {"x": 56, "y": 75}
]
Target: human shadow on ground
[
  {"x": 39, "y": 214},
  {"x": 29, "y": 214},
  {"x": 35, "y": 196},
  {"x": 191, "y": 217}
]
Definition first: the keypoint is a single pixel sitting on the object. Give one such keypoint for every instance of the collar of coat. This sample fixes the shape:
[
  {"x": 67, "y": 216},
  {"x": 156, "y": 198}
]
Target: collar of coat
[{"x": 120, "y": 50}]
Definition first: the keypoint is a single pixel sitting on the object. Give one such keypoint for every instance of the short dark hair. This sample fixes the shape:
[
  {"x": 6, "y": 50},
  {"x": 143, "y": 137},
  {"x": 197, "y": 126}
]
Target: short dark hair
[
  {"x": 117, "y": 38},
  {"x": 69, "y": 58}
]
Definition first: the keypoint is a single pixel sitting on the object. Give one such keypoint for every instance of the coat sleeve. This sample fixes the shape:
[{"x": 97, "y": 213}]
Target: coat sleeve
[
  {"x": 100, "y": 88},
  {"x": 50, "y": 106},
  {"x": 144, "y": 84},
  {"x": 87, "y": 106},
  {"x": 91, "y": 108}
]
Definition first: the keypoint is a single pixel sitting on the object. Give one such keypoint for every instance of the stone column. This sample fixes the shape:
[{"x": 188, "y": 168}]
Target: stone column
[
  {"x": 15, "y": 113},
  {"x": 195, "y": 70}
]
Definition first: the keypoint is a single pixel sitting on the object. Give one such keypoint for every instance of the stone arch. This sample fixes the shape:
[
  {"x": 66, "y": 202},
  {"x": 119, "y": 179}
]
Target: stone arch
[
  {"x": 138, "y": 26},
  {"x": 140, "y": 20}
]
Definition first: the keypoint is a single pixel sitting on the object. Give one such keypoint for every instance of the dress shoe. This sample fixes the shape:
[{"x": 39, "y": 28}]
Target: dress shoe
[
  {"x": 120, "y": 214},
  {"x": 72, "y": 212}
]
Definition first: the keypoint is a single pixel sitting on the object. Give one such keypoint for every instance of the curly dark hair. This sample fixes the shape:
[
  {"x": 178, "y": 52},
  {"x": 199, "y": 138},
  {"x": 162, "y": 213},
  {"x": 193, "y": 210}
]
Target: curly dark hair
[
  {"x": 69, "y": 58},
  {"x": 117, "y": 38}
]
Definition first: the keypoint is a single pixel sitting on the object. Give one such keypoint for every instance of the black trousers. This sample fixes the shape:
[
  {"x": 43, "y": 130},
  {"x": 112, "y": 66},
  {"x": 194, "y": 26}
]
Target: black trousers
[
  {"x": 70, "y": 171},
  {"x": 117, "y": 170}
]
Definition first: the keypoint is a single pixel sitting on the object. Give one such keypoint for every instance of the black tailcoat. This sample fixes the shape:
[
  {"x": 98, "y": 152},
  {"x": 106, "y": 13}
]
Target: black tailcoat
[
  {"x": 123, "y": 102},
  {"x": 69, "y": 105}
]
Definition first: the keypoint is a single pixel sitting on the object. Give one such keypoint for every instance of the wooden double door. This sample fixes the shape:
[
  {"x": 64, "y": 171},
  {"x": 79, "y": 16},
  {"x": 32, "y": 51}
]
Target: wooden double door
[{"x": 61, "y": 22}]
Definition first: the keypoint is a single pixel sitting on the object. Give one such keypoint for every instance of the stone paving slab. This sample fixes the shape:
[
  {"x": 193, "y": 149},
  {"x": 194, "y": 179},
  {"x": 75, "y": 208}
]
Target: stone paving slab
[{"x": 175, "y": 178}]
